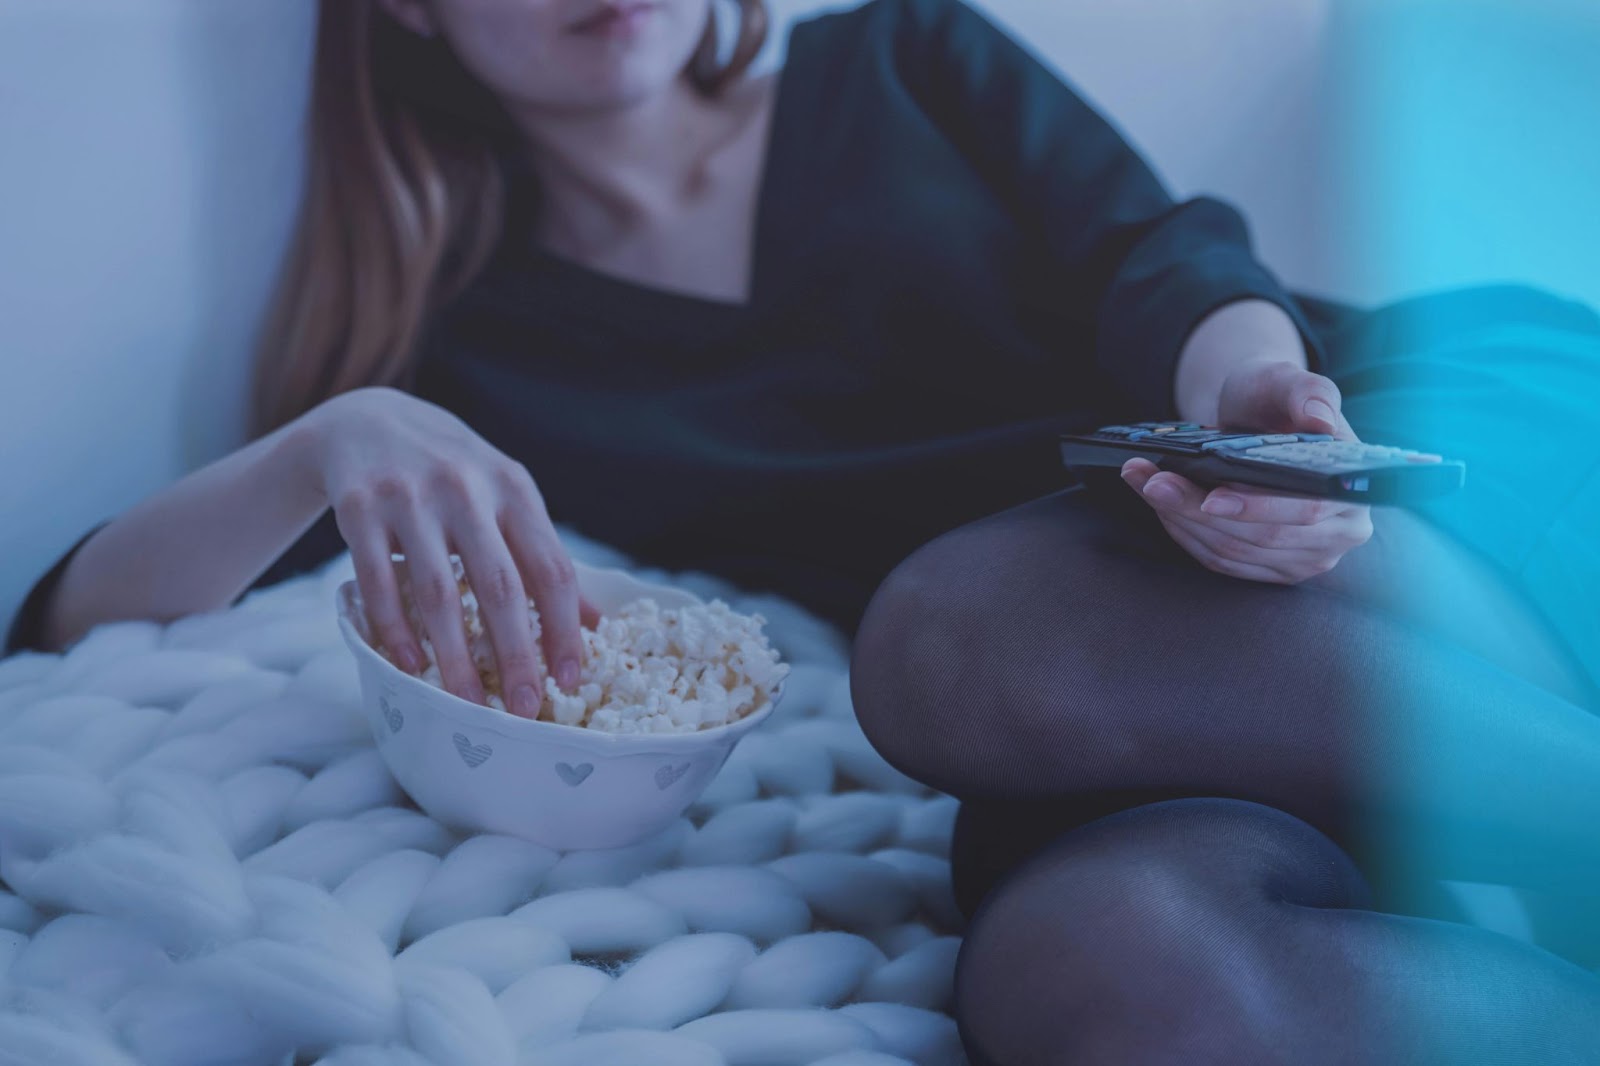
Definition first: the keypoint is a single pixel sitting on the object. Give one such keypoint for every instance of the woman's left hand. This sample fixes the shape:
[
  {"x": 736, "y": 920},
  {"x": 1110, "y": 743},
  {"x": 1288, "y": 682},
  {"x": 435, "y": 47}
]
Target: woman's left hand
[{"x": 1252, "y": 533}]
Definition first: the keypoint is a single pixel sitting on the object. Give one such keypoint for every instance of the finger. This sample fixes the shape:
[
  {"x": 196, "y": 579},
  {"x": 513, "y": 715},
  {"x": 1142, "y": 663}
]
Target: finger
[
  {"x": 1311, "y": 525},
  {"x": 379, "y": 586},
  {"x": 552, "y": 582},
  {"x": 1247, "y": 503},
  {"x": 1165, "y": 490},
  {"x": 503, "y": 607},
  {"x": 438, "y": 601},
  {"x": 588, "y": 613},
  {"x": 1172, "y": 493},
  {"x": 1233, "y": 506},
  {"x": 1183, "y": 532},
  {"x": 1292, "y": 563},
  {"x": 1315, "y": 405},
  {"x": 1336, "y": 534},
  {"x": 1295, "y": 552},
  {"x": 1137, "y": 471}
]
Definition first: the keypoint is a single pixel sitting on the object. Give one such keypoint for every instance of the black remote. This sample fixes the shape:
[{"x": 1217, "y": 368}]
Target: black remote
[{"x": 1309, "y": 464}]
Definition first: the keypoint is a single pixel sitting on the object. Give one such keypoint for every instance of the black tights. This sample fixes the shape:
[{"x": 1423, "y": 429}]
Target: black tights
[{"x": 1204, "y": 819}]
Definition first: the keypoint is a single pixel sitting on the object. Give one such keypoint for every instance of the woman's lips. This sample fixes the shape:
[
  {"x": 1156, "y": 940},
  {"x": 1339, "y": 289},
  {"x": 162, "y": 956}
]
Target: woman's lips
[{"x": 615, "y": 19}]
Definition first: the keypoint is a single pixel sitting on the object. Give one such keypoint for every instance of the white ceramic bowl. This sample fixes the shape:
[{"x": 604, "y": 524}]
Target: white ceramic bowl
[{"x": 482, "y": 770}]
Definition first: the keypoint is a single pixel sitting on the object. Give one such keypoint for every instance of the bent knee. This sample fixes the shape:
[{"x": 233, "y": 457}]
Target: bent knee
[
  {"x": 984, "y": 656},
  {"x": 909, "y": 662}
]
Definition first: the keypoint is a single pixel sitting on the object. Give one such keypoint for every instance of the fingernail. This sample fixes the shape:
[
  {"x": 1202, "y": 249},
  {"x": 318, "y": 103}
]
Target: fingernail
[
  {"x": 1223, "y": 505},
  {"x": 1161, "y": 492},
  {"x": 525, "y": 701},
  {"x": 567, "y": 674},
  {"x": 1319, "y": 409}
]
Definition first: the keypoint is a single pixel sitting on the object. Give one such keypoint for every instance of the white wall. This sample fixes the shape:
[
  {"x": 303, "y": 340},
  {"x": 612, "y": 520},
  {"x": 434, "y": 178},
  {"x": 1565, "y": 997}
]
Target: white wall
[{"x": 151, "y": 163}]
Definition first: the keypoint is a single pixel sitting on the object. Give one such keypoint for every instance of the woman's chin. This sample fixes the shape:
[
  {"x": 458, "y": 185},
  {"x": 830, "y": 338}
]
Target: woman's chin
[
  {"x": 618, "y": 87},
  {"x": 604, "y": 73}
]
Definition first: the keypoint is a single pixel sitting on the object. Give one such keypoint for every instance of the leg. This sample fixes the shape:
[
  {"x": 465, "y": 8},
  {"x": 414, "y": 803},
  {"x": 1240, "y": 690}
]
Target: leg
[
  {"x": 1503, "y": 377},
  {"x": 1066, "y": 648},
  {"x": 1212, "y": 931}
]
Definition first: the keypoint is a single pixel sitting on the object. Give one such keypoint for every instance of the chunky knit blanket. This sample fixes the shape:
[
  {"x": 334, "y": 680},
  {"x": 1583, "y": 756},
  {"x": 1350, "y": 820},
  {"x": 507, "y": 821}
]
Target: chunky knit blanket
[{"x": 204, "y": 861}]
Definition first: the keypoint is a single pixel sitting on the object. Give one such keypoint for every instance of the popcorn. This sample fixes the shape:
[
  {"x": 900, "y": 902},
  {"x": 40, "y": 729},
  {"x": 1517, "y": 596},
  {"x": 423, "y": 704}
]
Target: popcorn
[{"x": 645, "y": 669}]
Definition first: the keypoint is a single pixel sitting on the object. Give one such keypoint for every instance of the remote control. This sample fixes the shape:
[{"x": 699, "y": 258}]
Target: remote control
[{"x": 1310, "y": 464}]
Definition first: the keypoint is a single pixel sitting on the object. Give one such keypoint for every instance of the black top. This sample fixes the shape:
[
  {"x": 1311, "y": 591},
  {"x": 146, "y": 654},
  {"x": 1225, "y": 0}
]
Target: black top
[{"x": 955, "y": 259}]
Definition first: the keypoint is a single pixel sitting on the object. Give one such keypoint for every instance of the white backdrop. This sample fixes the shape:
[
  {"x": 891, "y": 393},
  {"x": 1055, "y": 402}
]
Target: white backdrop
[{"x": 151, "y": 166}]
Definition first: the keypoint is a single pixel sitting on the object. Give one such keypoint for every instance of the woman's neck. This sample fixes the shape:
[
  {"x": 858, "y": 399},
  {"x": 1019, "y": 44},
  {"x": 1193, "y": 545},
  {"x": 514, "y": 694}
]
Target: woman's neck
[{"x": 604, "y": 174}]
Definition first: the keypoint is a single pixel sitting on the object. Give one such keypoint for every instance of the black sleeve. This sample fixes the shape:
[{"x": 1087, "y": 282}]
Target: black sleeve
[
  {"x": 27, "y": 629},
  {"x": 318, "y": 544},
  {"x": 1146, "y": 269}
]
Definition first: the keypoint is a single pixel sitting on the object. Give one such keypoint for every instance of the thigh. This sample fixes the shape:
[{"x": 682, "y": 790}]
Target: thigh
[
  {"x": 1416, "y": 571},
  {"x": 1068, "y": 646},
  {"x": 1411, "y": 569}
]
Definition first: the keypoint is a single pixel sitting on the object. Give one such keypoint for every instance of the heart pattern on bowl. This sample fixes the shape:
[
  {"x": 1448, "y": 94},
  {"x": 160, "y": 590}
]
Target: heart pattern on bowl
[
  {"x": 391, "y": 714},
  {"x": 574, "y": 775},
  {"x": 471, "y": 754},
  {"x": 667, "y": 776}
]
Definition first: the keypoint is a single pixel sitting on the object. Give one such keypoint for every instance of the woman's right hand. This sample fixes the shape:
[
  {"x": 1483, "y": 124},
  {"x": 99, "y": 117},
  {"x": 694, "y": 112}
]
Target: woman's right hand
[{"x": 405, "y": 475}]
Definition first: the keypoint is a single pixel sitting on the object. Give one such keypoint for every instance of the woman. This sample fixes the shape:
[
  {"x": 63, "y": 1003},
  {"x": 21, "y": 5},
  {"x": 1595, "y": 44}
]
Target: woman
[{"x": 817, "y": 332}]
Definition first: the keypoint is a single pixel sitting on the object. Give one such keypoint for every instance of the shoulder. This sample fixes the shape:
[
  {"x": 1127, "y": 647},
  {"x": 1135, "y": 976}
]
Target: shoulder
[
  {"x": 909, "y": 15},
  {"x": 876, "y": 22},
  {"x": 906, "y": 36}
]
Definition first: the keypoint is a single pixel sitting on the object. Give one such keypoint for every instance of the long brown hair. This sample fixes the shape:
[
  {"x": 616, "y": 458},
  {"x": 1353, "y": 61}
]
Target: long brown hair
[{"x": 404, "y": 202}]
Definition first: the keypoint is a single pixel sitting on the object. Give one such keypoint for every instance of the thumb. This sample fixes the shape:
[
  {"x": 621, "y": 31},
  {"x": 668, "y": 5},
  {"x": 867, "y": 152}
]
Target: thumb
[{"x": 1315, "y": 406}]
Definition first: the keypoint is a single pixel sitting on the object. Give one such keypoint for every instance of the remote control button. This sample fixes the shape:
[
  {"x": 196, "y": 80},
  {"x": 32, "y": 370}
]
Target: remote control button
[
  {"x": 1314, "y": 454},
  {"x": 1281, "y": 438},
  {"x": 1423, "y": 457},
  {"x": 1193, "y": 436},
  {"x": 1231, "y": 444}
]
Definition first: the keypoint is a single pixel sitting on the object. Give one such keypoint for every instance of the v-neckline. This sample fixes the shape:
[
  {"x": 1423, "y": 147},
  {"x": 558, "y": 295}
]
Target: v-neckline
[{"x": 774, "y": 165}]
